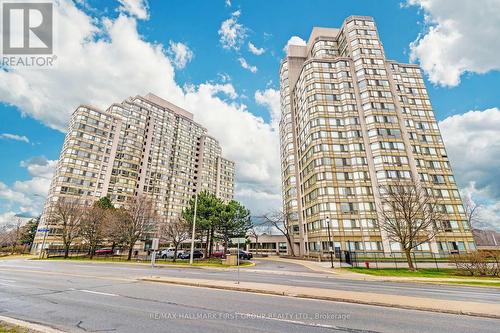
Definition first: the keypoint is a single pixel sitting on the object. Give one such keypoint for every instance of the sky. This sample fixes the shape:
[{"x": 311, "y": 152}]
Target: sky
[{"x": 220, "y": 60}]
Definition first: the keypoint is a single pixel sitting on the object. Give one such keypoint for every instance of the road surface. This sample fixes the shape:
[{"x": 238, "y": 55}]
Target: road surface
[{"x": 87, "y": 297}]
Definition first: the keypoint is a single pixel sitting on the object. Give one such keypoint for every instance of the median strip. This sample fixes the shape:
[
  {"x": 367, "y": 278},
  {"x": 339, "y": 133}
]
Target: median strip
[{"x": 488, "y": 310}]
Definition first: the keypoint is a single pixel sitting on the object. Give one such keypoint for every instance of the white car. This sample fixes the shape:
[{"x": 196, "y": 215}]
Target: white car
[{"x": 169, "y": 253}]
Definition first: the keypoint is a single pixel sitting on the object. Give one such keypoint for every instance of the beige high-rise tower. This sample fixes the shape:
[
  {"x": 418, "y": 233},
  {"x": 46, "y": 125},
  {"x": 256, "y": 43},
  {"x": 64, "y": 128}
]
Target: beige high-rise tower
[
  {"x": 352, "y": 121},
  {"x": 144, "y": 145}
]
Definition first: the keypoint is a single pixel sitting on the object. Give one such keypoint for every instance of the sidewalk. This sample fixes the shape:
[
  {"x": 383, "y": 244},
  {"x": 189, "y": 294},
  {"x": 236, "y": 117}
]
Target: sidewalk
[
  {"x": 324, "y": 267},
  {"x": 404, "y": 302}
]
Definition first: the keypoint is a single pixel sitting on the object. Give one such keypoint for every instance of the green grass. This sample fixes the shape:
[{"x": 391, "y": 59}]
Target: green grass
[
  {"x": 7, "y": 328},
  {"x": 422, "y": 272},
  {"x": 212, "y": 262}
]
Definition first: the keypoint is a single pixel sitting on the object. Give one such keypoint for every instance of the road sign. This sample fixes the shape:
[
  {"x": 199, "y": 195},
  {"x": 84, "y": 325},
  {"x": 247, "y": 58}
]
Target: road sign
[
  {"x": 43, "y": 230},
  {"x": 240, "y": 240},
  {"x": 156, "y": 243}
]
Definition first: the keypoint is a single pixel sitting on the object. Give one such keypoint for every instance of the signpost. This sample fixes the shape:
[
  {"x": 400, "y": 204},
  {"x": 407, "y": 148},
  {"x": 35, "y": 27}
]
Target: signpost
[
  {"x": 154, "y": 246},
  {"x": 241, "y": 240},
  {"x": 45, "y": 231}
]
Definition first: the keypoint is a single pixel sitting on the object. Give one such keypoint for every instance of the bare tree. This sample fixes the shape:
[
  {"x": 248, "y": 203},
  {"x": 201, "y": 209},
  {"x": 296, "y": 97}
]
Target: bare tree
[
  {"x": 134, "y": 221},
  {"x": 254, "y": 232},
  {"x": 176, "y": 232},
  {"x": 10, "y": 235},
  {"x": 68, "y": 215},
  {"x": 409, "y": 215},
  {"x": 471, "y": 212},
  {"x": 279, "y": 220},
  {"x": 93, "y": 227}
]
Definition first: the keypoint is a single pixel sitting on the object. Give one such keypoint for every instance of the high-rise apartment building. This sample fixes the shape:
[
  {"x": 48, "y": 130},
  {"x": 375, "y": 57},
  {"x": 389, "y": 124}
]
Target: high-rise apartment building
[
  {"x": 351, "y": 122},
  {"x": 144, "y": 145}
]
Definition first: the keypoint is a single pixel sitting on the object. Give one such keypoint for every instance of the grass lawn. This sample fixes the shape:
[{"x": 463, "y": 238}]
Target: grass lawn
[
  {"x": 212, "y": 262},
  {"x": 428, "y": 273},
  {"x": 8, "y": 328}
]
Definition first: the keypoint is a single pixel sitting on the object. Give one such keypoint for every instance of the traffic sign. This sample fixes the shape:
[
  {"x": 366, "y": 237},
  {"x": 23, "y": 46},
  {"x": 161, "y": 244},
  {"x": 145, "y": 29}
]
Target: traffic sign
[
  {"x": 241, "y": 240},
  {"x": 43, "y": 230},
  {"x": 156, "y": 243}
]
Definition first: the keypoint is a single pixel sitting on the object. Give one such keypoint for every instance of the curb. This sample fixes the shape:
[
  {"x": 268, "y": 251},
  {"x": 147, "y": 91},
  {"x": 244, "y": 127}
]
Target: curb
[
  {"x": 29, "y": 325},
  {"x": 323, "y": 298}
]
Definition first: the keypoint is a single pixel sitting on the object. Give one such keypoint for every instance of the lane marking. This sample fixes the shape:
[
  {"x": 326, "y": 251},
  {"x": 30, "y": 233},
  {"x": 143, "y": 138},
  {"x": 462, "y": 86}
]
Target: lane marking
[{"x": 97, "y": 292}]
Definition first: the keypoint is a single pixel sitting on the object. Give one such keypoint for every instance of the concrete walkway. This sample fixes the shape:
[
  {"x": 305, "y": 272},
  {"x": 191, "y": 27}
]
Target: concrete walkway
[{"x": 396, "y": 301}]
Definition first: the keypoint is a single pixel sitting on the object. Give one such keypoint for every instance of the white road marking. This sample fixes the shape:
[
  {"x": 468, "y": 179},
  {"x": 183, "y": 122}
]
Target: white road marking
[{"x": 96, "y": 292}]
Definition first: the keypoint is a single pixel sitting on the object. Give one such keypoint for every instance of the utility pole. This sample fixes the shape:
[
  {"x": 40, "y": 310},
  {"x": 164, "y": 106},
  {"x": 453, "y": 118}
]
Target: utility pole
[
  {"x": 330, "y": 243},
  {"x": 194, "y": 229}
]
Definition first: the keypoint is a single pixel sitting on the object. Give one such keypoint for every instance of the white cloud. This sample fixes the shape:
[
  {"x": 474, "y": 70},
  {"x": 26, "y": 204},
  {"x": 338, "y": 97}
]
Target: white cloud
[
  {"x": 462, "y": 36},
  {"x": 255, "y": 50},
  {"x": 228, "y": 3},
  {"x": 39, "y": 166},
  {"x": 28, "y": 196},
  {"x": 294, "y": 40},
  {"x": 224, "y": 77},
  {"x": 246, "y": 65},
  {"x": 7, "y": 218},
  {"x": 137, "y": 8},
  {"x": 93, "y": 55},
  {"x": 231, "y": 33},
  {"x": 270, "y": 98},
  {"x": 474, "y": 150},
  {"x": 9, "y": 136},
  {"x": 180, "y": 54}
]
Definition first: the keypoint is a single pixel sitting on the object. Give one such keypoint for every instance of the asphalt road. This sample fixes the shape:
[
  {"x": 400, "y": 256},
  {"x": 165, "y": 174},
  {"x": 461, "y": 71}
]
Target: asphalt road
[{"x": 83, "y": 297}]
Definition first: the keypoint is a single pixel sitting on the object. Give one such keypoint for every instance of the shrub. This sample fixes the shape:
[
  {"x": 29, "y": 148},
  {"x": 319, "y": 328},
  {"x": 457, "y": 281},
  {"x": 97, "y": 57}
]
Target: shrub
[{"x": 477, "y": 263}]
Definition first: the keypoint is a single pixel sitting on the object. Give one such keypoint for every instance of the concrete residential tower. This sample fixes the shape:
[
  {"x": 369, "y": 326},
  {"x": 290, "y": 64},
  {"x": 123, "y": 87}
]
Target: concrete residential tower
[
  {"x": 352, "y": 121},
  {"x": 144, "y": 145}
]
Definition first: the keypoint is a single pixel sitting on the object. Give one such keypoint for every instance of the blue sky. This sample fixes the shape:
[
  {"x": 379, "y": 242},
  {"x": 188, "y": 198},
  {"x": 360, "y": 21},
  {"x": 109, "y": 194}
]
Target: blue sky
[{"x": 214, "y": 74}]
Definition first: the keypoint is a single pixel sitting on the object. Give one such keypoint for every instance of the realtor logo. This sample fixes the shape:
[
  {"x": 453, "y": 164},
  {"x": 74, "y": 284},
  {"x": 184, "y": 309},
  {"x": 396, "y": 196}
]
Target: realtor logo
[{"x": 27, "y": 28}]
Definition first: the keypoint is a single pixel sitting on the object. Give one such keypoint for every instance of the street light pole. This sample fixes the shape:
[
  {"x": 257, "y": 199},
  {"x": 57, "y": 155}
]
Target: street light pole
[
  {"x": 330, "y": 244},
  {"x": 194, "y": 229}
]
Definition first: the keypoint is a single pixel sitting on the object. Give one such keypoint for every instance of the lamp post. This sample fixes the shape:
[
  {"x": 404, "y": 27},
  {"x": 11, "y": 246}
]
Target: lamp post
[
  {"x": 194, "y": 222},
  {"x": 194, "y": 229},
  {"x": 330, "y": 244}
]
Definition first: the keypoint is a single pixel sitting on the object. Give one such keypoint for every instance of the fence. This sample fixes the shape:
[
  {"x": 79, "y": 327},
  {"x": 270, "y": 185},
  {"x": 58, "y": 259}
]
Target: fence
[
  {"x": 377, "y": 260},
  {"x": 119, "y": 254}
]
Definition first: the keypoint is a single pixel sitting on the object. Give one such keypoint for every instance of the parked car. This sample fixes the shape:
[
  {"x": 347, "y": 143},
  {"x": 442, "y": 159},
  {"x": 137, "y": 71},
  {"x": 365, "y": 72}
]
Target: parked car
[
  {"x": 244, "y": 255},
  {"x": 104, "y": 251},
  {"x": 197, "y": 254},
  {"x": 218, "y": 254},
  {"x": 169, "y": 253}
]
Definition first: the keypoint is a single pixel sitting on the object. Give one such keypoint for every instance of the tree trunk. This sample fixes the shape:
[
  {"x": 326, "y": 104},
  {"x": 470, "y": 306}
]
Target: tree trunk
[
  {"x": 211, "y": 241},
  {"x": 66, "y": 251},
  {"x": 409, "y": 259},
  {"x": 206, "y": 243},
  {"x": 130, "y": 249},
  {"x": 289, "y": 241},
  {"x": 92, "y": 250},
  {"x": 175, "y": 253},
  {"x": 226, "y": 242}
]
